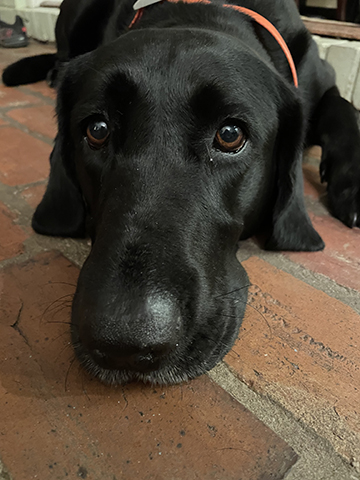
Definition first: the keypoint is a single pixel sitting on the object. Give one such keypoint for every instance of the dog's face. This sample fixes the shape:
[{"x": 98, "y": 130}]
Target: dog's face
[{"x": 178, "y": 142}]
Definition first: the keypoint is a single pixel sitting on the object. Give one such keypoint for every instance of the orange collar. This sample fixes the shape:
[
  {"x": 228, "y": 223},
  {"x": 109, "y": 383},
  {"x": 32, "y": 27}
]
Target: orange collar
[{"x": 254, "y": 15}]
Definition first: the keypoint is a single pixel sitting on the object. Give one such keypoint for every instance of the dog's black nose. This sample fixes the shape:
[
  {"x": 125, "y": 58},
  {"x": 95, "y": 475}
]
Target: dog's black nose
[{"x": 138, "y": 338}]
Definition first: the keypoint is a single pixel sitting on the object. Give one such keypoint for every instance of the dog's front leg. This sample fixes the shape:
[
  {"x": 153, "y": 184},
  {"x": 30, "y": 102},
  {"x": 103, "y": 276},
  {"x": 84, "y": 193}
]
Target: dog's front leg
[{"x": 336, "y": 130}]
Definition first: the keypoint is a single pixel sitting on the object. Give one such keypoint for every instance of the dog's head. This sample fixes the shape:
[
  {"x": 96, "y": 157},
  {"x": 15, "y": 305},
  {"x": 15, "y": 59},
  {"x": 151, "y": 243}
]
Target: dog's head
[{"x": 177, "y": 143}]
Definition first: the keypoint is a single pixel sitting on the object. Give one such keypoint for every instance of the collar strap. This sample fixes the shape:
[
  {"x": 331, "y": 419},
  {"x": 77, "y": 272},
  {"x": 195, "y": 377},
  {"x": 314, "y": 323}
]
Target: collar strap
[{"x": 140, "y": 5}]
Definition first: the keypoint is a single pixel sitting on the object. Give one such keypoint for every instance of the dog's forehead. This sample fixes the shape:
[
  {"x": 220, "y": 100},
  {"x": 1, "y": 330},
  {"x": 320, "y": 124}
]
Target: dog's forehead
[
  {"x": 180, "y": 54},
  {"x": 179, "y": 66}
]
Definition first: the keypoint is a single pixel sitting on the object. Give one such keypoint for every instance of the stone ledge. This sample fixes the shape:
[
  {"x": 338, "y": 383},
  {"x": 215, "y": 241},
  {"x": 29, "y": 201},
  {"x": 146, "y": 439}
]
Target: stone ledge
[{"x": 344, "y": 56}]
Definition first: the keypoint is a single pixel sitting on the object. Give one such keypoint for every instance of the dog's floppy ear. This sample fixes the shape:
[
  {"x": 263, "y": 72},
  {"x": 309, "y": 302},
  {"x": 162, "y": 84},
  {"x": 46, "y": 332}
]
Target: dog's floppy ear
[
  {"x": 62, "y": 210},
  {"x": 291, "y": 225}
]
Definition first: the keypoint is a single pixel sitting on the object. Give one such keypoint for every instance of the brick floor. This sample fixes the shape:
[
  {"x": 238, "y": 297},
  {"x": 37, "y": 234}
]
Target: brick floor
[
  {"x": 298, "y": 346},
  {"x": 42, "y": 88},
  {"x": 340, "y": 260},
  {"x": 39, "y": 119},
  {"x": 49, "y": 406},
  {"x": 11, "y": 235},
  {"x": 33, "y": 195},
  {"x": 24, "y": 159},
  {"x": 302, "y": 349},
  {"x": 14, "y": 98}
]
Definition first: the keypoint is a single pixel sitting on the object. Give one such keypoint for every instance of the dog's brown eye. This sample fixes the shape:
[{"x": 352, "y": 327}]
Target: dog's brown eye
[
  {"x": 230, "y": 138},
  {"x": 97, "y": 133}
]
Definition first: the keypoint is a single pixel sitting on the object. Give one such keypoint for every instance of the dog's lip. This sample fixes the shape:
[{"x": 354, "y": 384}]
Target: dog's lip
[{"x": 165, "y": 374}]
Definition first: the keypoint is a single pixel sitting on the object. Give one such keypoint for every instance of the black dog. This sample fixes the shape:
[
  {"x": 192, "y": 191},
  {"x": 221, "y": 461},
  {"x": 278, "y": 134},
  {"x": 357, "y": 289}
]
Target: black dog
[{"x": 178, "y": 137}]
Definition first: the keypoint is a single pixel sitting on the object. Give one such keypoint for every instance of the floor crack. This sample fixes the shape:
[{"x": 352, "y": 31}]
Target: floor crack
[{"x": 16, "y": 325}]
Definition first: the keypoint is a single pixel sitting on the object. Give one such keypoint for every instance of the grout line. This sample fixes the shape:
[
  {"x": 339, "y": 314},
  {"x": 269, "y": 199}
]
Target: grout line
[
  {"x": 4, "y": 474},
  {"x": 38, "y": 95},
  {"x": 318, "y": 459},
  {"x": 319, "y": 281},
  {"x": 20, "y": 126}
]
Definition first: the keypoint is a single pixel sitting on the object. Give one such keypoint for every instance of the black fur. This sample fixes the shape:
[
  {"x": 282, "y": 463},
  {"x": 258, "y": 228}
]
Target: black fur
[{"x": 161, "y": 296}]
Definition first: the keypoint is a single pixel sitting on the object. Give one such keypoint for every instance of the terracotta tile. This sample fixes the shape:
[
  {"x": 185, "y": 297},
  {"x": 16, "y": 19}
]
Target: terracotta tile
[
  {"x": 12, "y": 97},
  {"x": 341, "y": 258},
  {"x": 23, "y": 159},
  {"x": 33, "y": 195},
  {"x": 2, "y": 122},
  {"x": 39, "y": 119},
  {"x": 11, "y": 236},
  {"x": 301, "y": 348},
  {"x": 58, "y": 423},
  {"x": 43, "y": 88},
  {"x": 314, "y": 152}
]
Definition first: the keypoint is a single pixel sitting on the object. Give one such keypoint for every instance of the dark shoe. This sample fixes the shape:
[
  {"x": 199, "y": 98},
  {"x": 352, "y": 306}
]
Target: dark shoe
[{"x": 13, "y": 36}]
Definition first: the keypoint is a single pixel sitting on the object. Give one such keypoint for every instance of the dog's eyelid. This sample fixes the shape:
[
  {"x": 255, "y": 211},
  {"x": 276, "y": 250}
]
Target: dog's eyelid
[
  {"x": 230, "y": 154},
  {"x": 234, "y": 120},
  {"x": 85, "y": 115},
  {"x": 83, "y": 122}
]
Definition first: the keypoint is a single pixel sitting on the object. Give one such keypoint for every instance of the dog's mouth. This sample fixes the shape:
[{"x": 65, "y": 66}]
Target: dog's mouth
[
  {"x": 172, "y": 369},
  {"x": 157, "y": 373}
]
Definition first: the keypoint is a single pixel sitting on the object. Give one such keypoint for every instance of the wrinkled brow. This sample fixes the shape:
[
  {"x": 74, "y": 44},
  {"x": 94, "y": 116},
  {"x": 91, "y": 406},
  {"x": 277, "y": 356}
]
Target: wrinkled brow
[{"x": 211, "y": 105}]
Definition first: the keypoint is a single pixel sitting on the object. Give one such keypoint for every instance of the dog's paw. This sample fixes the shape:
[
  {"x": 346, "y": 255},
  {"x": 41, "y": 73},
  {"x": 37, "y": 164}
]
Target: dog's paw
[{"x": 343, "y": 187}]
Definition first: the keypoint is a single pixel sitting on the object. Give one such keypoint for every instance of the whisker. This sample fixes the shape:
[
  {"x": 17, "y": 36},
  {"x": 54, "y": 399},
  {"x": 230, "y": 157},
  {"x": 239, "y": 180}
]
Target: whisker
[
  {"x": 59, "y": 336},
  {"x": 216, "y": 341},
  {"x": 124, "y": 397},
  {"x": 60, "y": 299},
  {"x": 68, "y": 345},
  {"x": 64, "y": 283},
  {"x": 232, "y": 352},
  {"x": 258, "y": 311},
  {"x": 68, "y": 371},
  {"x": 81, "y": 373},
  {"x": 60, "y": 323},
  {"x": 233, "y": 291},
  {"x": 47, "y": 309},
  {"x": 58, "y": 312},
  {"x": 246, "y": 303},
  {"x": 54, "y": 307}
]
